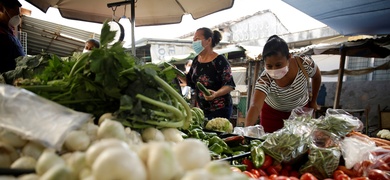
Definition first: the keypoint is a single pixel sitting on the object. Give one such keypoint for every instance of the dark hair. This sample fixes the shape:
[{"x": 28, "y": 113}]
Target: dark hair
[
  {"x": 94, "y": 42},
  {"x": 10, "y": 3},
  {"x": 274, "y": 46},
  {"x": 215, "y": 35}
]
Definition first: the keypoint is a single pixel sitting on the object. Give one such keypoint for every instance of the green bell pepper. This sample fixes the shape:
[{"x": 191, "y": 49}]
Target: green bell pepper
[{"x": 257, "y": 154}]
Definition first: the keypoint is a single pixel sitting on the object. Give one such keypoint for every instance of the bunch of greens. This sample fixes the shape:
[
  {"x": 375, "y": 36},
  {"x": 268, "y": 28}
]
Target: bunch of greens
[
  {"x": 322, "y": 161},
  {"x": 108, "y": 79}
]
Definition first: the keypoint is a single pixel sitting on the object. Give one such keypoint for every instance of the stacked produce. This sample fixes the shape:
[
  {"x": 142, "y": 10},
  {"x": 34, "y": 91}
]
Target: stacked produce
[
  {"x": 111, "y": 151},
  {"x": 108, "y": 79},
  {"x": 146, "y": 130},
  {"x": 328, "y": 148}
]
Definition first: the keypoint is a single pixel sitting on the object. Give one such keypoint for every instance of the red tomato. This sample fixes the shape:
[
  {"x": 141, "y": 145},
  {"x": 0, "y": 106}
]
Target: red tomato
[
  {"x": 342, "y": 177},
  {"x": 380, "y": 164},
  {"x": 282, "y": 178},
  {"x": 263, "y": 178},
  {"x": 271, "y": 170},
  {"x": 262, "y": 172},
  {"x": 278, "y": 167},
  {"x": 249, "y": 174},
  {"x": 349, "y": 172},
  {"x": 386, "y": 158},
  {"x": 255, "y": 172},
  {"x": 273, "y": 176},
  {"x": 287, "y": 166},
  {"x": 293, "y": 178},
  {"x": 267, "y": 162},
  {"x": 285, "y": 172},
  {"x": 294, "y": 174},
  {"x": 248, "y": 163},
  {"x": 360, "y": 178},
  {"x": 378, "y": 174},
  {"x": 308, "y": 176},
  {"x": 337, "y": 173}
]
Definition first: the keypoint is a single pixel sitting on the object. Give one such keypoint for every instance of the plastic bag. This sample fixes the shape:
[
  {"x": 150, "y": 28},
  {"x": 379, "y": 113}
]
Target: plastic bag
[
  {"x": 289, "y": 143},
  {"x": 256, "y": 131},
  {"x": 302, "y": 114},
  {"x": 36, "y": 118},
  {"x": 356, "y": 149},
  {"x": 322, "y": 161},
  {"x": 339, "y": 122}
]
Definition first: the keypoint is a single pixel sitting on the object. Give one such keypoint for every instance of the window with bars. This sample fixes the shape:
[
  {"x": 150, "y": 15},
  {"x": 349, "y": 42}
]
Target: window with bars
[
  {"x": 358, "y": 63},
  {"x": 362, "y": 62},
  {"x": 23, "y": 40},
  {"x": 380, "y": 75}
]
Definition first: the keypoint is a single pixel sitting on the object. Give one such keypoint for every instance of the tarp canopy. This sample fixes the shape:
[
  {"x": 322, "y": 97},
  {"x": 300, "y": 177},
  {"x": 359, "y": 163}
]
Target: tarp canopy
[
  {"x": 377, "y": 47},
  {"x": 349, "y": 17}
]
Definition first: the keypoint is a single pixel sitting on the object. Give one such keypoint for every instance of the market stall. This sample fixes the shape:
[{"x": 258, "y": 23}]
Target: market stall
[{"x": 102, "y": 115}]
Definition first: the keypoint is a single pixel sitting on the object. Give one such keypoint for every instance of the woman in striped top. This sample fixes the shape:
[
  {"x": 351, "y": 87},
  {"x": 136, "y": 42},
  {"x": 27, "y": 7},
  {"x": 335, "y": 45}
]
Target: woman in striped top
[{"x": 282, "y": 86}]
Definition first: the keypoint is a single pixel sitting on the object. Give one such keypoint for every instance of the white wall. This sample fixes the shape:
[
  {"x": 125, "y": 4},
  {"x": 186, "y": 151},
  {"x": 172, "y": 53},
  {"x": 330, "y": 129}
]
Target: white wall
[{"x": 327, "y": 63}]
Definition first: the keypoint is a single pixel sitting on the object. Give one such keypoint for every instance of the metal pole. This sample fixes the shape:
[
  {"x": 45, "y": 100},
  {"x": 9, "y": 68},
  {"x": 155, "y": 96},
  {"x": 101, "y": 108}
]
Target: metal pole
[{"x": 132, "y": 27}]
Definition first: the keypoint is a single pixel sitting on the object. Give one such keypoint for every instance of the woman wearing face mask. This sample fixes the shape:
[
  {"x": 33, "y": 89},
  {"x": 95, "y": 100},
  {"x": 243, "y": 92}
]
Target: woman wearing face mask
[
  {"x": 214, "y": 72},
  {"x": 90, "y": 44},
  {"x": 282, "y": 86},
  {"x": 10, "y": 47}
]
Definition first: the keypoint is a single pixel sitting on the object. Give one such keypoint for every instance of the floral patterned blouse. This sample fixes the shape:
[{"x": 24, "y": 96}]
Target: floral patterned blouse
[{"x": 213, "y": 75}]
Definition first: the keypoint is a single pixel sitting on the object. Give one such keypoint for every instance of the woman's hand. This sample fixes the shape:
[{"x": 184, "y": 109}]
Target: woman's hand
[
  {"x": 211, "y": 97},
  {"x": 314, "y": 105}
]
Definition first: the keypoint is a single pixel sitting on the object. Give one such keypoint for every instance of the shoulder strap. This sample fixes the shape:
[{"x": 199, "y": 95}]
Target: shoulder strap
[{"x": 302, "y": 68}]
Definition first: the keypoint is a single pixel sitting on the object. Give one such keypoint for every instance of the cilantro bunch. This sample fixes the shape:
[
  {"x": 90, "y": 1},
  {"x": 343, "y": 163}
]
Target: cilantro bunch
[{"x": 109, "y": 79}]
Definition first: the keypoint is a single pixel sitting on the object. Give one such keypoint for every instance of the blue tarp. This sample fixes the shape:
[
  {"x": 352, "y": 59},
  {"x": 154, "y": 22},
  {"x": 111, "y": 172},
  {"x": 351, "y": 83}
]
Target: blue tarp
[{"x": 348, "y": 17}]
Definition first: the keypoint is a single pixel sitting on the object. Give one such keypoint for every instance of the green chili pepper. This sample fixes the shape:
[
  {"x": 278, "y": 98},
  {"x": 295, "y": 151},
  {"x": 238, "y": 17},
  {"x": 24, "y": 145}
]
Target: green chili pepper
[
  {"x": 217, "y": 140},
  {"x": 194, "y": 134},
  {"x": 238, "y": 152},
  {"x": 257, "y": 154},
  {"x": 244, "y": 147},
  {"x": 216, "y": 148}
]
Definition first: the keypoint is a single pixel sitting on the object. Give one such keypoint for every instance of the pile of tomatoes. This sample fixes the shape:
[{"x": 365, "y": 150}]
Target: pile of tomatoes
[{"x": 272, "y": 170}]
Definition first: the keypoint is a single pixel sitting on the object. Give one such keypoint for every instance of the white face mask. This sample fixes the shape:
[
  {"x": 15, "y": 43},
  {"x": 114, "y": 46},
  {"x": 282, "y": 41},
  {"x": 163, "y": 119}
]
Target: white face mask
[
  {"x": 14, "y": 21},
  {"x": 86, "y": 50},
  {"x": 188, "y": 69},
  {"x": 277, "y": 73}
]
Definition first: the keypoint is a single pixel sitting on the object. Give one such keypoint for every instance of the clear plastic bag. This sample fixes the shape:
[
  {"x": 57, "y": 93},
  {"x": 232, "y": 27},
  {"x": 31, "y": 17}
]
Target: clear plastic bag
[
  {"x": 36, "y": 118},
  {"x": 356, "y": 149},
  {"x": 289, "y": 143},
  {"x": 339, "y": 122},
  {"x": 256, "y": 131},
  {"x": 302, "y": 114}
]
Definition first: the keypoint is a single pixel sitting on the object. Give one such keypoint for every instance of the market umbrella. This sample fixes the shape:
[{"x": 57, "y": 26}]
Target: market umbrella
[
  {"x": 141, "y": 12},
  {"x": 349, "y": 17}
]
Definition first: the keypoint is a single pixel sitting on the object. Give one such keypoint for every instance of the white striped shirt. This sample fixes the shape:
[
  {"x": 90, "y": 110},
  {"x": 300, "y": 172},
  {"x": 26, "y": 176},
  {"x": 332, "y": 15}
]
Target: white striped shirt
[{"x": 287, "y": 98}]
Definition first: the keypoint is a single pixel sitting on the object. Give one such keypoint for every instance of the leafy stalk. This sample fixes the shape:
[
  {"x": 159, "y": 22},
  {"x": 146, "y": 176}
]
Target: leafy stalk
[
  {"x": 177, "y": 113},
  {"x": 176, "y": 95}
]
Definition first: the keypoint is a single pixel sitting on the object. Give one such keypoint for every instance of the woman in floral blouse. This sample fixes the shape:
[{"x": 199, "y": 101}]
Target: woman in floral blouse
[{"x": 214, "y": 72}]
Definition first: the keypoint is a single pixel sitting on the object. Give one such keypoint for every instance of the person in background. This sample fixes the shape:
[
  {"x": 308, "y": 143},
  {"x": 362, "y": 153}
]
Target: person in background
[
  {"x": 282, "y": 86},
  {"x": 90, "y": 44},
  {"x": 10, "y": 46},
  {"x": 214, "y": 72},
  {"x": 186, "y": 90}
]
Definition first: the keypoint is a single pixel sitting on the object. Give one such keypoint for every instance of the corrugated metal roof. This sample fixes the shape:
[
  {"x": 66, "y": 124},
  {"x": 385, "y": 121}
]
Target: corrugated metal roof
[{"x": 53, "y": 38}]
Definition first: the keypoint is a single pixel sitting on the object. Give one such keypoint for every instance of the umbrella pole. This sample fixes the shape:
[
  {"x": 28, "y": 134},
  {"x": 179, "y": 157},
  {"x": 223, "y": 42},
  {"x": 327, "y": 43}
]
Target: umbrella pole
[{"x": 132, "y": 20}]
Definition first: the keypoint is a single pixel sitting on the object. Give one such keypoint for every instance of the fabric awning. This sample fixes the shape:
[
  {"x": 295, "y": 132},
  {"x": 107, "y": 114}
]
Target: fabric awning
[{"x": 349, "y": 17}]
